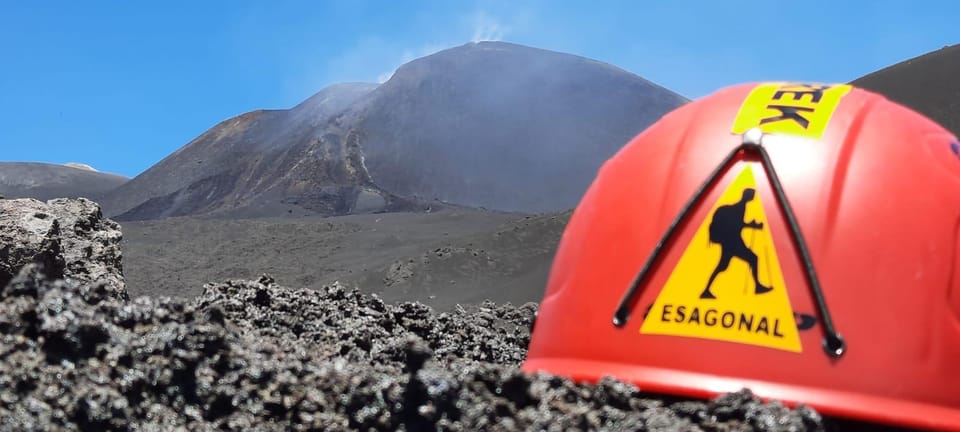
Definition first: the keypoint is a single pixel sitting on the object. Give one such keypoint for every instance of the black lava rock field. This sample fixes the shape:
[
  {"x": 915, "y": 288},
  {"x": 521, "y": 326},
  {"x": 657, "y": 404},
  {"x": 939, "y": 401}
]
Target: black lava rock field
[
  {"x": 77, "y": 353},
  {"x": 252, "y": 355}
]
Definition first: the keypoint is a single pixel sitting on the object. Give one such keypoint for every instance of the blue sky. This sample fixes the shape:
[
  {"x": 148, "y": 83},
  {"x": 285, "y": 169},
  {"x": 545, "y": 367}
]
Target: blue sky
[{"x": 120, "y": 85}]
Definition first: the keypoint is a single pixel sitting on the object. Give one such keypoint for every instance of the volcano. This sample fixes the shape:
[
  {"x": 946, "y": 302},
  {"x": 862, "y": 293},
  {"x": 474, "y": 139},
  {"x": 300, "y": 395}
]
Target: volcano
[{"x": 489, "y": 125}]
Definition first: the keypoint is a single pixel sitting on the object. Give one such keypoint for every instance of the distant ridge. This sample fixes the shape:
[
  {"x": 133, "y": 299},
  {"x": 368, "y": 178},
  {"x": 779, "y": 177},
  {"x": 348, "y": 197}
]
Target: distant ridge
[
  {"x": 929, "y": 84},
  {"x": 46, "y": 181}
]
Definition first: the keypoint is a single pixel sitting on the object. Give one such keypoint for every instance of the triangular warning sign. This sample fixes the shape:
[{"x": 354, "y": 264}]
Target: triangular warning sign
[{"x": 728, "y": 284}]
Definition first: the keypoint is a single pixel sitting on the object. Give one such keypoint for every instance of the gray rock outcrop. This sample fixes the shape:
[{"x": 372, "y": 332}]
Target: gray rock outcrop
[{"x": 70, "y": 238}]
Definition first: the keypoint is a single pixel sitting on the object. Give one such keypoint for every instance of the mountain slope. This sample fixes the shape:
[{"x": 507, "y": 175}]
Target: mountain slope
[
  {"x": 502, "y": 126},
  {"x": 492, "y": 125},
  {"x": 244, "y": 162},
  {"x": 45, "y": 181},
  {"x": 929, "y": 83}
]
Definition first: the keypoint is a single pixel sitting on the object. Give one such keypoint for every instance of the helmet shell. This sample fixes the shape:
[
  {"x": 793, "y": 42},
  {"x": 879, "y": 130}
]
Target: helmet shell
[{"x": 875, "y": 192}]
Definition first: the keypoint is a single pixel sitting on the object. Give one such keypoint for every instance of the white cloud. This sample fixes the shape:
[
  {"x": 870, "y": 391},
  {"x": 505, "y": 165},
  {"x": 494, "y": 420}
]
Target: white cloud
[
  {"x": 424, "y": 51},
  {"x": 82, "y": 166},
  {"x": 375, "y": 57},
  {"x": 384, "y": 77},
  {"x": 487, "y": 28},
  {"x": 481, "y": 26},
  {"x": 409, "y": 55}
]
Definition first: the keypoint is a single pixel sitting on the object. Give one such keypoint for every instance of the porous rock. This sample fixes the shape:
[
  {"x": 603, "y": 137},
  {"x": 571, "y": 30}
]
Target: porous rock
[
  {"x": 252, "y": 355},
  {"x": 70, "y": 237}
]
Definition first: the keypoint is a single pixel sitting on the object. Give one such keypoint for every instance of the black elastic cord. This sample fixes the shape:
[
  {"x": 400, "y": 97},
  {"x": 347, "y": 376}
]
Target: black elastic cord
[
  {"x": 833, "y": 343},
  {"x": 626, "y": 304}
]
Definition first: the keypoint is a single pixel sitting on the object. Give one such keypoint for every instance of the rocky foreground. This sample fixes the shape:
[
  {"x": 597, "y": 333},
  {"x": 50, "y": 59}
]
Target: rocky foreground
[{"x": 253, "y": 355}]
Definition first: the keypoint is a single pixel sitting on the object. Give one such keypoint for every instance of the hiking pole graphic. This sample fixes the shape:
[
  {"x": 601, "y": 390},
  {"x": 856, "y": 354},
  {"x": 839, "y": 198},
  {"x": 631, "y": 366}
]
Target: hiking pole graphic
[{"x": 746, "y": 277}]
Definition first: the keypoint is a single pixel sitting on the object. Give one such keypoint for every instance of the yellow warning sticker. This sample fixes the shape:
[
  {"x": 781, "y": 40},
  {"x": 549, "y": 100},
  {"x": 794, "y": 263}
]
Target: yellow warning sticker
[
  {"x": 728, "y": 284},
  {"x": 790, "y": 108}
]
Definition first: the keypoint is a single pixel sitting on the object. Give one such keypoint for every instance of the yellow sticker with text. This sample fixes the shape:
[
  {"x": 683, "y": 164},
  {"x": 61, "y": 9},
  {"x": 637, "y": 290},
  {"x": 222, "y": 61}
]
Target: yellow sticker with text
[
  {"x": 728, "y": 284},
  {"x": 790, "y": 108}
]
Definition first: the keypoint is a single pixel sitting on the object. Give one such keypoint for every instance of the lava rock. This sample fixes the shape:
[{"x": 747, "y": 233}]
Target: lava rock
[
  {"x": 28, "y": 235},
  {"x": 363, "y": 328},
  {"x": 253, "y": 355},
  {"x": 69, "y": 237}
]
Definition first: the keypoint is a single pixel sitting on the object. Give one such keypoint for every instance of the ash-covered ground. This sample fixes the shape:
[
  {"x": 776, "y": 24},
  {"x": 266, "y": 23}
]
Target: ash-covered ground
[{"x": 78, "y": 353}]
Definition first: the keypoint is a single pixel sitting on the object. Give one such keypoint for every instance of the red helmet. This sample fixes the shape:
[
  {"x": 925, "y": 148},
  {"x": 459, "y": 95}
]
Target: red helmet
[{"x": 800, "y": 240}]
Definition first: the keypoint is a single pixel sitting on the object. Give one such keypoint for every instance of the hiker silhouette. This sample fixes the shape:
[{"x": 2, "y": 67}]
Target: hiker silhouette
[{"x": 728, "y": 221}]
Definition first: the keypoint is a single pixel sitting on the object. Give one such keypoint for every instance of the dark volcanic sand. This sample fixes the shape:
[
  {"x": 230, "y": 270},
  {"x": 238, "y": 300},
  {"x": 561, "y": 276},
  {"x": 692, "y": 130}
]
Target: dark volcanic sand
[
  {"x": 256, "y": 356},
  {"x": 440, "y": 259}
]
